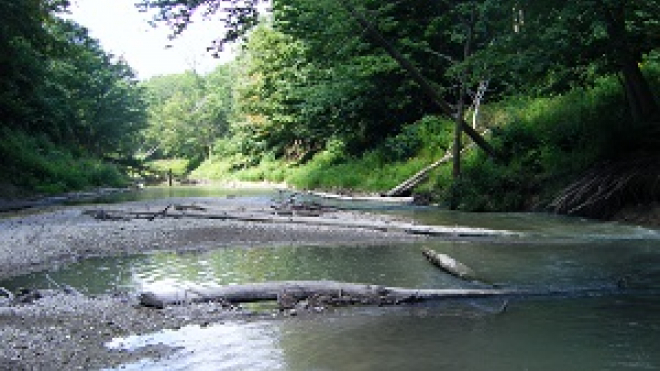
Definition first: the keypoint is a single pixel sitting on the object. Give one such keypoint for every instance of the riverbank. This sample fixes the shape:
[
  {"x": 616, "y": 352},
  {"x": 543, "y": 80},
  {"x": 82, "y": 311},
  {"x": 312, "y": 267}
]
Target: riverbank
[
  {"x": 646, "y": 215},
  {"x": 10, "y": 202},
  {"x": 69, "y": 331}
]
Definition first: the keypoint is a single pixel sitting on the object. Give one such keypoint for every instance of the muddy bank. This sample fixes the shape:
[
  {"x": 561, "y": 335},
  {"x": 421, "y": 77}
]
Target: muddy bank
[{"x": 646, "y": 214}]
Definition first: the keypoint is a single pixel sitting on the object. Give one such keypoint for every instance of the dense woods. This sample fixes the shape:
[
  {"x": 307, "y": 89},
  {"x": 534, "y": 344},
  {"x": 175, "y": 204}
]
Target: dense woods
[
  {"x": 315, "y": 98},
  {"x": 67, "y": 108}
]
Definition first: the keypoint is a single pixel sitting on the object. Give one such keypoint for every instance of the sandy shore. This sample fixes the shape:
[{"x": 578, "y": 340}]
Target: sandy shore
[{"x": 67, "y": 331}]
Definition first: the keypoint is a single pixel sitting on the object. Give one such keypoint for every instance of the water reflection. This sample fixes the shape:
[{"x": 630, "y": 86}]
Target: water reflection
[
  {"x": 586, "y": 265},
  {"x": 577, "y": 334},
  {"x": 387, "y": 265},
  {"x": 592, "y": 333}
]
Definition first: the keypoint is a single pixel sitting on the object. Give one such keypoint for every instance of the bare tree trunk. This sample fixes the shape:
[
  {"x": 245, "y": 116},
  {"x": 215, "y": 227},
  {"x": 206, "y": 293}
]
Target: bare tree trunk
[
  {"x": 417, "y": 76},
  {"x": 476, "y": 102},
  {"x": 339, "y": 292},
  {"x": 414, "y": 180}
]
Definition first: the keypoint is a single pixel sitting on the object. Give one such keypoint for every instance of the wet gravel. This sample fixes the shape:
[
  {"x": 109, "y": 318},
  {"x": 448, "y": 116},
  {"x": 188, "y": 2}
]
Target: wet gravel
[{"x": 69, "y": 331}]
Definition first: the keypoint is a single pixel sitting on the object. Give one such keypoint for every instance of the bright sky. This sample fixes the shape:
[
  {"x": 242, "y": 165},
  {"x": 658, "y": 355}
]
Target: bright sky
[{"x": 124, "y": 31}]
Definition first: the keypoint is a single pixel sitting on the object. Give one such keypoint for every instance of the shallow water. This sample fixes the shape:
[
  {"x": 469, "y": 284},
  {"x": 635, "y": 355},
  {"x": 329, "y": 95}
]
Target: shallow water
[
  {"x": 578, "y": 334},
  {"x": 603, "y": 332}
]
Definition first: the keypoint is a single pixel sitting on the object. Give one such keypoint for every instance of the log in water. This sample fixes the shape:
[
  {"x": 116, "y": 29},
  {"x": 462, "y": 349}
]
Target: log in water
[
  {"x": 449, "y": 265},
  {"x": 359, "y": 293}
]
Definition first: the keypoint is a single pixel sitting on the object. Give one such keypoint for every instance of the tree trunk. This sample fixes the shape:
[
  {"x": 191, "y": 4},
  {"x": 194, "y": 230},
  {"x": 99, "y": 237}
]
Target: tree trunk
[
  {"x": 419, "y": 79},
  {"x": 198, "y": 212},
  {"x": 640, "y": 97},
  {"x": 338, "y": 292},
  {"x": 414, "y": 180}
]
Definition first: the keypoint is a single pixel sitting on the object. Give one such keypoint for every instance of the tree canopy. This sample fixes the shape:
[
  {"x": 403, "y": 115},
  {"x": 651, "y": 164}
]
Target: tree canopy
[
  {"x": 63, "y": 99},
  {"x": 58, "y": 81}
]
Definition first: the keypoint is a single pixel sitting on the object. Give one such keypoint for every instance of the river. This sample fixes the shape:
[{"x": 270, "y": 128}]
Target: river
[{"x": 599, "y": 332}]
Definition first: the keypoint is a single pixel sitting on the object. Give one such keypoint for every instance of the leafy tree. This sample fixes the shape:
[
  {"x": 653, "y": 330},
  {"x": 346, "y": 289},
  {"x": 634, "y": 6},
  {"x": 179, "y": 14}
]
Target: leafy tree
[
  {"x": 56, "y": 80},
  {"x": 269, "y": 90},
  {"x": 23, "y": 42},
  {"x": 551, "y": 46},
  {"x": 187, "y": 113},
  {"x": 63, "y": 101},
  {"x": 94, "y": 98},
  {"x": 351, "y": 89}
]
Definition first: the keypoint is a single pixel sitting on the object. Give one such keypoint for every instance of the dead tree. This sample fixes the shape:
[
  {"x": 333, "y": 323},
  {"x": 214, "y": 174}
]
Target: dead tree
[{"x": 341, "y": 292}]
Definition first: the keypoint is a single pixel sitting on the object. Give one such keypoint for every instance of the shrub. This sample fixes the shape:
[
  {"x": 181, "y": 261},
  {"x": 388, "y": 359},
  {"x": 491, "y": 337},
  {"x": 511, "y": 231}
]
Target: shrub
[{"x": 37, "y": 165}]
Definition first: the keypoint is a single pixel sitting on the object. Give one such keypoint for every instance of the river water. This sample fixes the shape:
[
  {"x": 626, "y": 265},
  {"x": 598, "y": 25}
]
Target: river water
[{"x": 599, "y": 332}]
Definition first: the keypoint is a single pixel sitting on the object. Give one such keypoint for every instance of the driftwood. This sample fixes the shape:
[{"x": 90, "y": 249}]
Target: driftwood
[
  {"x": 449, "y": 265},
  {"x": 414, "y": 180},
  {"x": 421, "y": 175},
  {"x": 383, "y": 226},
  {"x": 340, "y": 292},
  {"x": 393, "y": 199}
]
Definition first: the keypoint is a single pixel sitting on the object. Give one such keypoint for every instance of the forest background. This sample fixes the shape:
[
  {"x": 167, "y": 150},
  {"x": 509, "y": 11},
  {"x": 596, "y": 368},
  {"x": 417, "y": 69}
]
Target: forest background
[{"x": 565, "y": 93}]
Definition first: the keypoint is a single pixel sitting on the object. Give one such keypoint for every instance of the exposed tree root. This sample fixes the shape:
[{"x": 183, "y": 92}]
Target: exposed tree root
[{"x": 607, "y": 188}]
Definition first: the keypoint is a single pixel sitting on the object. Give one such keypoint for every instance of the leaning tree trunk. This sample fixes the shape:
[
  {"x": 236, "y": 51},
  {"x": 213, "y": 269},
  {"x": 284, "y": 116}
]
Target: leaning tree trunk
[{"x": 418, "y": 78}]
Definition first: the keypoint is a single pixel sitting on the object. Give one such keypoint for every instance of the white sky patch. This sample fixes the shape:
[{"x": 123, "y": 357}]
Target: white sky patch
[{"x": 124, "y": 31}]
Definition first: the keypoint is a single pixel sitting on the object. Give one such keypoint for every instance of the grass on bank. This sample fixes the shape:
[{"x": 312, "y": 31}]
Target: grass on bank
[
  {"x": 178, "y": 166},
  {"x": 375, "y": 171},
  {"x": 545, "y": 143}
]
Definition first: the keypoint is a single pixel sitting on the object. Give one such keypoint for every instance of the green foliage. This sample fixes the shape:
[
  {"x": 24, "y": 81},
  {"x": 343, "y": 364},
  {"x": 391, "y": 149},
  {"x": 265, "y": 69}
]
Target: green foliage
[
  {"x": 63, "y": 100},
  {"x": 545, "y": 143},
  {"x": 431, "y": 133},
  {"x": 38, "y": 165},
  {"x": 317, "y": 104},
  {"x": 178, "y": 166},
  {"x": 187, "y": 113},
  {"x": 333, "y": 167}
]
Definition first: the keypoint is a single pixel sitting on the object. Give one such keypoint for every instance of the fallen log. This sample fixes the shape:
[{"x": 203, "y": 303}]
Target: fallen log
[
  {"x": 421, "y": 175},
  {"x": 384, "y": 226},
  {"x": 449, "y": 265},
  {"x": 343, "y": 292},
  {"x": 414, "y": 180},
  {"x": 332, "y": 196}
]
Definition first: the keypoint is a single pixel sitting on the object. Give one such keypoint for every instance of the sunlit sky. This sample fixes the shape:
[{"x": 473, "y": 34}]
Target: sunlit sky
[{"x": 124, "y": 31}]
